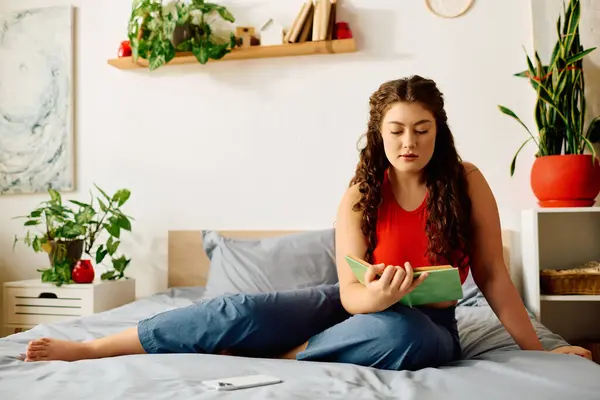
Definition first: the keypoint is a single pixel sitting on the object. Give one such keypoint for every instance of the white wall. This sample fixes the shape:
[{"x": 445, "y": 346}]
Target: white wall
[{"x": 200, "y": 138}]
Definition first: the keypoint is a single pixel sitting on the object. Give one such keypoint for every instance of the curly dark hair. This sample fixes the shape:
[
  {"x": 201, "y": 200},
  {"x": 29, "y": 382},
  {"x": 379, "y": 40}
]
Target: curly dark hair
[{"x": 448, "y": 225}]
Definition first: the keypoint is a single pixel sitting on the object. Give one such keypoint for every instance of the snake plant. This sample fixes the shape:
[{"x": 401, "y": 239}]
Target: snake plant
[{"x": 560, "y": 107}]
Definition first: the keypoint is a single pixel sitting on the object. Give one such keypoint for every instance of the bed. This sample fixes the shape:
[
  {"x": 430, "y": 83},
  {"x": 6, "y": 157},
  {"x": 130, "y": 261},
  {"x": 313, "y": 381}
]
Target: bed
[{"x": 204, "y": 263}]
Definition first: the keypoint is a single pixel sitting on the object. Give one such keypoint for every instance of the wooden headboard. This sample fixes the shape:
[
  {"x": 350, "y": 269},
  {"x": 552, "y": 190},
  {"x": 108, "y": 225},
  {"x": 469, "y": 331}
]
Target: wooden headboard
[{"x": 189, "y": 265}]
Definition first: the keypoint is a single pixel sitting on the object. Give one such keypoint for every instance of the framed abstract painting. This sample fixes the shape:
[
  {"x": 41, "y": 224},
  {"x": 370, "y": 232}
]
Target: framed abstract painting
[{"x": 36, "y": 100}]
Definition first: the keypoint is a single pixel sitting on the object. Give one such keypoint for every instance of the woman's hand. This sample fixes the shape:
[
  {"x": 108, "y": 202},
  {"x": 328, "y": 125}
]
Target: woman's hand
[
  {"x": 392, "y": 285},
  {"x": 574, "y": 350}
]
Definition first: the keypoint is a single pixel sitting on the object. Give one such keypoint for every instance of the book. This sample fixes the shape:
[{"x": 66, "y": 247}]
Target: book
[{"x": 442, "y": 284}]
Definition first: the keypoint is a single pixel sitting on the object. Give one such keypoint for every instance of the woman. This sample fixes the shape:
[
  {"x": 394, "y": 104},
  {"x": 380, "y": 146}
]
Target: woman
[{"x": 412, "y": 202}]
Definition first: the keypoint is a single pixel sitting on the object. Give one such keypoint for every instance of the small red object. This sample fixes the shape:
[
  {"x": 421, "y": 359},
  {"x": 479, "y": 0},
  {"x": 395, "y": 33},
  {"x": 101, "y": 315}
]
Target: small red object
[
  {"x": 125, "y": 49},
  {"x": 342, "y": 30},
  {"x": 83, "y": 272}
]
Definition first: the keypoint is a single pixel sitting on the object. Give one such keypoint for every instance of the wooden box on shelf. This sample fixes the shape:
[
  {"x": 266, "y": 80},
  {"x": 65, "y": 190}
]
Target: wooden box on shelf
[
  {"x": 31, "y": 302},
  {"x": 555, "y": 239}
]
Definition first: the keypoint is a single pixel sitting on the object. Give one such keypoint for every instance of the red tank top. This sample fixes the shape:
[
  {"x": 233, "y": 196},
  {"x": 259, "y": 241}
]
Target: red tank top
[{"x": 401, "y": 235}]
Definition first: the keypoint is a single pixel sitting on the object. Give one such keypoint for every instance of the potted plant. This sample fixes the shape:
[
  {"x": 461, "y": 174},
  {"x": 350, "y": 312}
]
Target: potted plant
[
  {"x": 157, "y": 32},
  {"x": 68, "y": 232},
  {"x": 566, "y": 170}
]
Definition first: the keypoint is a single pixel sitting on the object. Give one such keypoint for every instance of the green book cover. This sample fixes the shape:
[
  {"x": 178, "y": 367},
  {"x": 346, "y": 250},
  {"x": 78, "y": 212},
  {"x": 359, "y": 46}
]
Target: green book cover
[{"x": 441, "y": 284}]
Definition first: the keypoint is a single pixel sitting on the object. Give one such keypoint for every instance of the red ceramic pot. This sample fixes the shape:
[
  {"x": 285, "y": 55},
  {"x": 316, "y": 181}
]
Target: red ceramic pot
[
  {"x": 566, "y": 180},
  {"x": 83, "y": 272}
]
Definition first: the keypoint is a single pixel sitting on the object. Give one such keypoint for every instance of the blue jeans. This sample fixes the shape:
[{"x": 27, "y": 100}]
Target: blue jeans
[{"x": 271, "y": 324}]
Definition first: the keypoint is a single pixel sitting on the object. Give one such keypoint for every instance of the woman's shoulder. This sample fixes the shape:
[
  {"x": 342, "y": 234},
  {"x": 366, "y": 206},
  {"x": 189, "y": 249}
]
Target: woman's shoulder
[
  {"x": 479, "y": 189},
  {"x": 469, "y": 167},
  {"x": 351, "y": 197}
]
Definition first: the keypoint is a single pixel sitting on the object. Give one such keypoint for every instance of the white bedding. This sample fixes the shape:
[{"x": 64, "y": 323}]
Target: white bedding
[{"x": 492, "y": 368}]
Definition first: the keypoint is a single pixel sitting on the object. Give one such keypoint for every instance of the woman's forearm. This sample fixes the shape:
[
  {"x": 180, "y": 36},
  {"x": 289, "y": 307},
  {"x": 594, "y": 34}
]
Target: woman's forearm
[
  {"x": 507, "y": 305},
  {"x": 356, "y": 299}
]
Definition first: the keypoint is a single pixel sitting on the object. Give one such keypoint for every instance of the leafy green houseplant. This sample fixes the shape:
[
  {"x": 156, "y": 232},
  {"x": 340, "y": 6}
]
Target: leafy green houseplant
[
  {"x": 566, "y": 170},
  {"x": 157, "y": 32},
  {"x": 69, "y": 230}
]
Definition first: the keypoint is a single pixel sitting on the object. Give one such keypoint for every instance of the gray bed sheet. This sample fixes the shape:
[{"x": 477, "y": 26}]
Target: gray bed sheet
[{"x": 492, "y": 367}]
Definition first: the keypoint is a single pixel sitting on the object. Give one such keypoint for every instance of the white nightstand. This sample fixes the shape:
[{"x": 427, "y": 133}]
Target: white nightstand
[
  {"x": 31, "y": 302},
  {"x": 557, "y": 238}
]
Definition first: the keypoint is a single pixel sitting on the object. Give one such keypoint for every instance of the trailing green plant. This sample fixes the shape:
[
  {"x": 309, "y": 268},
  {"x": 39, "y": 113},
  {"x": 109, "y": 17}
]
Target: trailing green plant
[
  {"x": 152, "y": 26},
  {"x": 560, "y": 107},
  {"x": 96, "y": 226},
  {"x": 202, "y": 42}
]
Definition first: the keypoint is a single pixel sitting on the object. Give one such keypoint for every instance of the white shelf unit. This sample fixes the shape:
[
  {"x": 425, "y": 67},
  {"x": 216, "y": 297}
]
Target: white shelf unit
[{"x": 557, "y": 238}]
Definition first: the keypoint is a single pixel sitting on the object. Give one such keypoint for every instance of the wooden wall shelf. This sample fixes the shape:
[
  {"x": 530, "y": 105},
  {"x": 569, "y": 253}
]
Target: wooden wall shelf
[{"x": 283, "y": 50}]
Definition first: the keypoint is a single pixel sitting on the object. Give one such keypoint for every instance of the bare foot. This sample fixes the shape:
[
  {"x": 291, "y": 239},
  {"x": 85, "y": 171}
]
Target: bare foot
[{"x": 46, "y": 349}]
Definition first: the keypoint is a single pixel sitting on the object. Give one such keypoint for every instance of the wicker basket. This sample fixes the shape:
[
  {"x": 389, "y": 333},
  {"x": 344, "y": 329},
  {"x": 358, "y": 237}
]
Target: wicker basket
[{"x": 583, "y": 280}]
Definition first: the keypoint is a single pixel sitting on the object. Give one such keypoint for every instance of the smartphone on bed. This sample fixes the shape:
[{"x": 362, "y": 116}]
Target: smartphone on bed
[{"x": 241, "y": 382}]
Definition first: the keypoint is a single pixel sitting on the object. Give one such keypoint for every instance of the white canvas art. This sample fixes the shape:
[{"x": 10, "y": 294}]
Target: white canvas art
[{"x": 36, "y": 100}]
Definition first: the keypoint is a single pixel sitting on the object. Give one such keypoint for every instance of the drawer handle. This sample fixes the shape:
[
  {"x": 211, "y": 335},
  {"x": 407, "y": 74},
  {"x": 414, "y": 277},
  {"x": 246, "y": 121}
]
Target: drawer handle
[{"x": 47, "y": 295}]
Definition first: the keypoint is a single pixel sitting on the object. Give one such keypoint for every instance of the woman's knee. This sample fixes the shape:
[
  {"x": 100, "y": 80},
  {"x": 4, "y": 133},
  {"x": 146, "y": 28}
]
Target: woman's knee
[{"x": 406, "y": 340}]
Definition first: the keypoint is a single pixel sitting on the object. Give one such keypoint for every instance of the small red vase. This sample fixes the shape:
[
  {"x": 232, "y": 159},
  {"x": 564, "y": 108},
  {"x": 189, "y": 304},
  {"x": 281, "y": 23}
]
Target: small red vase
[
  {"x": 83, "y": 272},
  {"x": 342, "y": 30}
]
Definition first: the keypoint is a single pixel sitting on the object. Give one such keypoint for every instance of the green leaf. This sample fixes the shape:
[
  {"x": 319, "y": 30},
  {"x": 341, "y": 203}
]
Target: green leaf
[
  {"x": 80, "y": 204},
  {"x": 121, "y": 196},
  {"x": 123, "y": 222},
  {"x": 103, "y": 205},
  {"x": 545, "y": 95},
  {"x": 112, "y": 245},
  {"x": 185, "y": 46},
  {"x": 183, "y": 10},
  {"x": 201, "y": 53},
  {"x": 32, "y": 222},
  {"x": 156, "y": 61},
  {"x": 55, "y": 196},
  {"x": 162, "y": 52},
  {"x": 85, "y": 215},
  {"x": 225, "y": 14},
  {"x": 530, "y": 67},
  {"x": 513, "y": 164},
  {"x": 554, "y": 56},
  {"x": 37, "y": 244},
  {"x": 119, "y": 264},
  {"x": 169, "y": 28},
  {"x": 100, "y": 254},
  {"x": 113, "y": 229},
  {"x": 590, "y": 146},
  {"x": 579, "y": 56},
  {"x": 522, "y": 74},
  {"x": 593, "y": 132},
  {"x": 510, "y": 113},
  {"x": 540, "y": 69},
  {"x": 108, "y": 275},
  {"x": 571, "y": 27},
  {"x": 216, "y": 51},
  {"x": 135, "y": 48},
  {"x": 103, "y": 192}
]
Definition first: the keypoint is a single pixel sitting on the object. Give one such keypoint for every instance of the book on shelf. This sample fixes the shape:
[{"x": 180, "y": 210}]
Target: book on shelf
[{"x": 314, "y": 22}]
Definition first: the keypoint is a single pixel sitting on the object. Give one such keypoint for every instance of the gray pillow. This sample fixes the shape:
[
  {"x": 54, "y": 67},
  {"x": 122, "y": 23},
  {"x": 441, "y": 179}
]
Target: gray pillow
[
  {"x": 292, "y": 261},
  {"x": 472, "y": 296}
]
